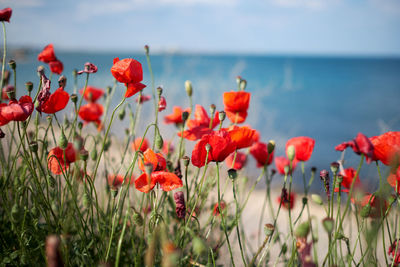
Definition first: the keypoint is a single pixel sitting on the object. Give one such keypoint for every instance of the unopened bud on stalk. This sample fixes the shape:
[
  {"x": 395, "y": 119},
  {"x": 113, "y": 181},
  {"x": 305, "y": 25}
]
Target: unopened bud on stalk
[
  {"x": 93, "y": 154},
  {"x": 189, "y": 88},
  {"x": 107, "y": 144},
  {"x": 212, "y": 110},
  {"x": 328, "y": 224},
  {"x": 334, "y": 167},
  {"x": 80, "y": 125},
  {"x": 74, "y": 98},
  {"x": 271, "y": 146},
  {"x": 238, "y": 79},
  {"x": 62, "y": 81},
  {"x": 33, "y": 146},
  {"x": 221, "y": 115},
  {"x": 159, "y": 91},
  {"x": 198, "y": 245},
  {"x": 63, "y": 141},
  {"x": 365, "y": 211},
  {"x": 29, "y": 86},
  {"x": 232, "y": 173},
  {"x": 286, "y": 169},
  {"x": 12, "y": 64},
  {"x": 314, "y": 169},
  {"x": 121, "y": 114},
  {"x": 269, "y": 229},
  {"x": 114, "y": 191},
  {"x": 243, "y": 84},
  {"x": 186, "y": 161},
  {"x": 208, "y": 147},
  {"x": 137, "y": 219},
  {"x": 83, "y": 154},
  {"x": 317, "y": 199},
  {"x": 159, "y": 141},
  {"x": 10, "y": 90},
  {"x": 185, "y": 116},
  {"x": 305, "y": 200},
  {"x": 302, "y": 230},
  {"x": 146, "y": 49},
  {"x": 291, "y": 152}
]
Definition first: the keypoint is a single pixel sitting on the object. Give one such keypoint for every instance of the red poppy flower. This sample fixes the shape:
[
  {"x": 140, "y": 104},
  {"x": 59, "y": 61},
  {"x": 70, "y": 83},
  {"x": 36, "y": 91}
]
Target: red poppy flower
[
  {"x": 89, "y": 68},
  {"x": 394, "y": 179},
  {"x": 200, "y": 125},
  {"x": 242, "y": 136},
  {"x": 303, "y": 146},
  {"x": 167, "y": 180},
  {"x": 136, "y": 144},
  {"x": 56, "y": 102},
  {"x": 360, "y": 145},
  {"x": 260, "y": 153},
  {"x": 162, "y": 104},
  {"x": 143, "y": 98},
  {"x": 176, "y": 116},
  {"x": 16, "y": 110},
  {"x": 56, "y": 67},
  {"x": 3, "y": 121},
  {"x": 240, "y": 161},
  {"x": 115, "y": 181},
  {"x": 221, "y": 146},
  {"x": 394, "y": 251},
  {"x": 236, "y": 105},
  {"x": 47, "y": 55},
  {"x": 387, "y": 147},
  {"x": 128, "y": 71},
  {"x": 5, "y": 14},
  {"x": 157, "y": 161},
  {"x": 287, "y": 201},
  {"x": 348, "y": 176},
  {"x": 281, "y": 162},
  {"x": 92, "y": 93},
  {"x": 216, "y": 210},
  {"x": 91, "y": 112},
  {"x": 56, "y": 161}
]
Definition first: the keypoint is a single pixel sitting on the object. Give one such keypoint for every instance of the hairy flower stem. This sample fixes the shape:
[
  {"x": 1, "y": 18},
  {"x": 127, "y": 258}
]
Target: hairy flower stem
[
  {"x": 253, "y": 260},
  {"x": 72, "y": 131},
  {"x": 237, "y": 220}
]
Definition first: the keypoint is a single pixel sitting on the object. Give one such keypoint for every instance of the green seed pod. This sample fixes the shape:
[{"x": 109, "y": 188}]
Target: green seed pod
[
  {"x": 147, "y": 49},
  {"x": 221, "y": 115},
  {"x": 198, "y": 246},
  {"x": 137, "y": 219},
  {"x": 286, "y": 169},
  {"x": 365, "y": 211},
  {"x": 212, "y": 110},
  {"x": 107, "y": 144},
  {"x": 93, "y": 154},
  {"x": 63, "y": 141},
  {"x": 185, "y": 116},
  {"x": 269, "y": 229},
  {"x": 232, "y": 174},
  {"x": 159, "y": 141},
  {"x": 74, "y": 98},
  {"x": 271, "y": 146},
  {"x": 302, "y": 230},
  {"x": 328, "y": 224},
  {"x": 208, "y": 147},
  {"x": 305, "y": 200},
  {"x": 33, "y": 146},
  {"x": 189, "y": 88},
  {"x": 186, "y": 161},
  {"x": 62, "y": 81},
  {"x": 83, "y": 154},
  {"x": 121, "y": 114},
  {"x": 291, "y": 153},
  {"x": 317, "y": 199},
  {"x": 80, "y": 125},
  {"x": 159, "y": 91},
  {"x": 243, "y": 84},
  {"x": 29, "y": 86},
  {"x": 12, "y": 64},
  {"x": 334, "y": 167}
]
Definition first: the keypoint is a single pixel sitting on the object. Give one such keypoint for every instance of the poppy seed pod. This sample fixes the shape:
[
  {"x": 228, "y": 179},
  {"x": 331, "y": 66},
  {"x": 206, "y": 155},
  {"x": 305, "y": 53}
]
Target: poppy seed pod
[
  {"x": 146, "y": 49},
  {"x": 317, "y": 199},
  {"x": 185, "y": 116},
  {"x": 10, "y": 90},
  {"x": 62, "y": 81},
  {"x": 212, "y": 110},
  {"x": 29, "y": 86},
  {"x": 159, "y": 91},
  {"x": 243, "y": 84},
  {"x": 188, "y": 88},
  {"x": 302, "y": 230},
  {"x": 270, "y": 146},
  {"x": 121, "y": 114},
  {"x": 334, "y": 167},
  {"x": 365, "y": 211},
  {"x": 269, "y": 229},
  {"x": 328, "y": 224},
  {"x": 222, "y": 115},
  {"x": 40, "y": 70},
  {"x": 12, "y": 64},
  {"x": 291, "y": 153},
  {"x": 33, "y": 146},
  {"x": 232, "y": 173},
  {"x": 83, "y": 154},
  {"x": 74, "y": 98},
  {"x": 186, "y": 161},
  {"x": 63, "y": 142},
  {"x": 238, "y": 79}
]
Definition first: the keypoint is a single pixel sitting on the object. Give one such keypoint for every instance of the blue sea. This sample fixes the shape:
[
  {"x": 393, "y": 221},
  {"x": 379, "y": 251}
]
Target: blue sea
[{"x": 330, "y": 99}]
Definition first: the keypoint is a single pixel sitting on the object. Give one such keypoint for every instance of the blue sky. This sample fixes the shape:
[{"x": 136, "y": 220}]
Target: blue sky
[{"x": 366, "y": 27}]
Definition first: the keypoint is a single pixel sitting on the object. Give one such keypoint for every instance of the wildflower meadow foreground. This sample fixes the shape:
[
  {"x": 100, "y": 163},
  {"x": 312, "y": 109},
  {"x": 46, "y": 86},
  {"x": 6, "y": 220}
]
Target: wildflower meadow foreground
[{"x": 73, "y": 194}]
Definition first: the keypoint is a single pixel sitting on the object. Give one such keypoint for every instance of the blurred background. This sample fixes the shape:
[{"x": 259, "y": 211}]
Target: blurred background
[{"x": 327, "y": 69}]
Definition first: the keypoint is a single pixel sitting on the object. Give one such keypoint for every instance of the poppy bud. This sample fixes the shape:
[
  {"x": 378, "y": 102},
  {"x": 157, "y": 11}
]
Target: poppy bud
[
  {"x": 121, "y": 114},
  {"x": 238, "y": 79},
  {"x": 269, "y": 229},
  {"x": 302, "y": 230},
  {"x": 62, "y": 81},
  {"x": 137, "y": 219},
  {"x": 339, "y": 180},
  {"x": 33, "y": 146},
  {"x": 186, "y": 161},
  {"x": 74, "y": 98},
  {"x": 93, "y": 154},
  {"x": 317, "y": 199},
  {"x": 159, "y": 91},
  {"x": 328, "y": 224},
  {"x": 198, "y": 245},
  {"x": 305, "y": 200},
  {"x": 365, "y": 211},
  {"x": 270, "y": 146},
  {"x": 185, "y": 116},
  {"x": 232, "y": 173},
  {"x": 146, "y": 49},
  {"x": 208, "y": 147},
  {"x": 2, "y": 134},
  {"x": 286, "y": 169},
  {"x": 212, "y": 110},
  {"x": 243, "y": 84},
  {"x": 10, "y": 90},
  {"x": 107, "y": 144},
  {"x": 221, "y": 115},
  {"x": 291, "y": 153},
  {"x": 12, "y": 64},
  {"x": 40, "y": 71},
  {"x": 63, "y": 142},
  {"x": 29, "y": 86},
  {"x": 83, "y": 154},
  {"x": 159, "y": 141},
  {"x": 80, "y": 125},
  {"x": 284, "y": 249},
  {"x": 334, "y": 167},
  {"x": 189, "y": 88},
  {"x": 313, "y": 169}
]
